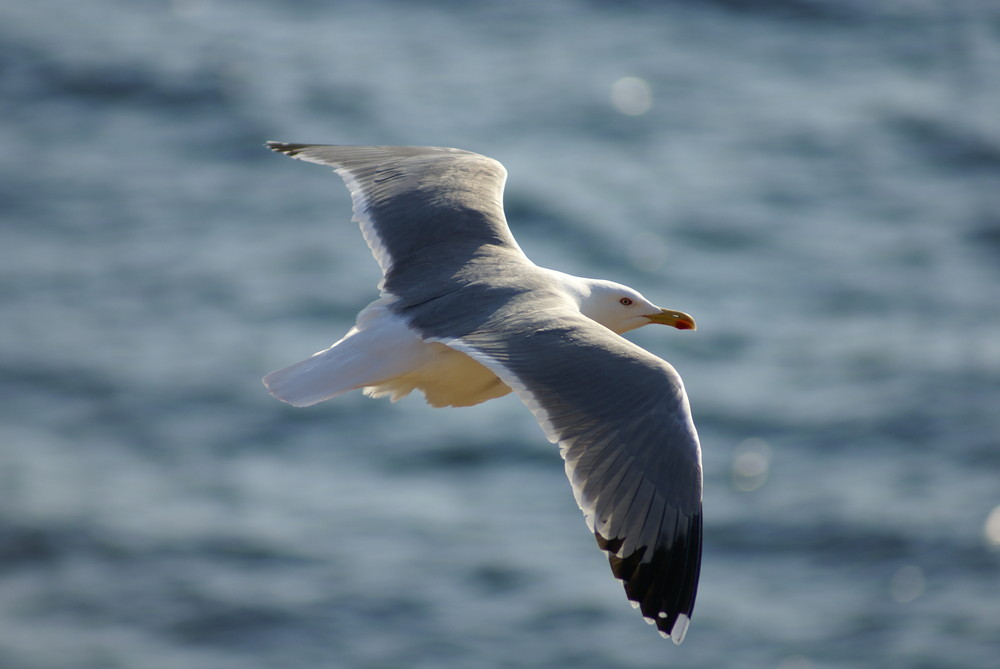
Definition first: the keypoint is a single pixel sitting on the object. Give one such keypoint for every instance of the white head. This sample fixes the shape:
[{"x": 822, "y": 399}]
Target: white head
[{"x": 620, "y": 308}]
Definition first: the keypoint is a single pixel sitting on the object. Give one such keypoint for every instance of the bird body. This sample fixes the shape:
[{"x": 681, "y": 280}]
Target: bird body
[{"x": 386, "y": 357}]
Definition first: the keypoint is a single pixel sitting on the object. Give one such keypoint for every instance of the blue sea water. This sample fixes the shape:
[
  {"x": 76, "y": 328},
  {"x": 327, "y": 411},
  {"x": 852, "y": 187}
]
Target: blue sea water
[{"x": 816, "y": 181}]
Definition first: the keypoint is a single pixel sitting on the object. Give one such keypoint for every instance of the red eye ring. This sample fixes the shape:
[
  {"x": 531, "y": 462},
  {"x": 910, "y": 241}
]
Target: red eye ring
[{"x": 626, "y": 301}]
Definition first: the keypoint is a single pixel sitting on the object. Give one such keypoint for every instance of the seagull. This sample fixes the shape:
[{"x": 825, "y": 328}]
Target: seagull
[{"x": 464, "y": 316}]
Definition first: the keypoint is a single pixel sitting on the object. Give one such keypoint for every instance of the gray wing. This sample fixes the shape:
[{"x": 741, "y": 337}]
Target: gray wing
[
  {"x": 621, "y": 418},
  {"x": 424, "y": 211}
]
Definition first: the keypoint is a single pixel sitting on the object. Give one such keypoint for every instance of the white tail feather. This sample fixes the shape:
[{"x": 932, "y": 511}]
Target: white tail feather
[
  {"x": 315, "y": 379},
  {"x": 362, "y": 358}
]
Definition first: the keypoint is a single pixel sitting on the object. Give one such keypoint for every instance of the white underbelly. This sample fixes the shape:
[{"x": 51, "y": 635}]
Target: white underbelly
[{"x": 445, "y": 376}]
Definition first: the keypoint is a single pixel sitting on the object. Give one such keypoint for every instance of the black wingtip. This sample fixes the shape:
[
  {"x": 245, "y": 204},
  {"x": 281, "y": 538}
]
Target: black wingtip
[
  {"x": 285, "y": 148},
  {"x": 664, "y": 585}
]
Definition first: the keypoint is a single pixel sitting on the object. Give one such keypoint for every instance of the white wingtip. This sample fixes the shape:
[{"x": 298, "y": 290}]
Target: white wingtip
[{"x": 679, "y": 629}]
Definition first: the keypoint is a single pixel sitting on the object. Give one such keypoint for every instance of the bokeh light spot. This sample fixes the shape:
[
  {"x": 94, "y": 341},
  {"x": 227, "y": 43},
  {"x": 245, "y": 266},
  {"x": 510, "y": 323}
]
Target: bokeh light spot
[
  {"x": 631, "y": 96},
  {"x": 907, "y": 584},
  {"x": 991, "y": 529},
  {"x": 751, "y": 464}
]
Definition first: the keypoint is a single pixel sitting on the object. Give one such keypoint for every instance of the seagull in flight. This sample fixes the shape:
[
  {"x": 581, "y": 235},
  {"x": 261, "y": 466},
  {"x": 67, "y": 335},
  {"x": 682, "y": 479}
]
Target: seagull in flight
[{"x": 464, "y": 316}]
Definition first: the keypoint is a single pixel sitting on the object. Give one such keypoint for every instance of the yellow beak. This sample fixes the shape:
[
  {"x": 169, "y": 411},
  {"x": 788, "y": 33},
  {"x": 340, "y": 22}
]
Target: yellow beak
[{"x": 677, "y": 319}]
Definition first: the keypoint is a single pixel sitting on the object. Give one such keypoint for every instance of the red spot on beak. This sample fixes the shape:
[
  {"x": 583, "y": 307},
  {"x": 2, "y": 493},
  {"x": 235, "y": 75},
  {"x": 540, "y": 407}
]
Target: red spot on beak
[{"x": 676, "y": 319}]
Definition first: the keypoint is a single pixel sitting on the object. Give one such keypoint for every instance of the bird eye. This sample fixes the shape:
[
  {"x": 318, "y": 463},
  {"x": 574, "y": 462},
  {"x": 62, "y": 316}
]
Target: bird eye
[{"x": 625, "y": 301}]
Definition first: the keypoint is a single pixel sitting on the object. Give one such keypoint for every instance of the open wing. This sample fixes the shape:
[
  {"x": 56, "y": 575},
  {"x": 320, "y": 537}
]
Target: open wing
[
  {"x": 622, "y": 421},
  {"x": 424, "y": 211}
]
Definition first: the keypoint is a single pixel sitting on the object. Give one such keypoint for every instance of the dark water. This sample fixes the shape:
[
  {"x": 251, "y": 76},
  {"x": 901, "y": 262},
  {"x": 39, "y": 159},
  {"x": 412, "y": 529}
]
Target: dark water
[{"x": 816, "y": 181}]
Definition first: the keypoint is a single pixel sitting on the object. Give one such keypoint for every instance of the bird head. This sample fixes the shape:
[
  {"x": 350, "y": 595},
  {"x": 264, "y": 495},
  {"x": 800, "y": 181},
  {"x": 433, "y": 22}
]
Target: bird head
[{"x": 620, "y": 308}]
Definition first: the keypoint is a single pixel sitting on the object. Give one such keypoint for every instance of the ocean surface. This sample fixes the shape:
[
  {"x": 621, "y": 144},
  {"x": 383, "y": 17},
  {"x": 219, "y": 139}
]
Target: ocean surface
[{"x": 816, "y": 181}]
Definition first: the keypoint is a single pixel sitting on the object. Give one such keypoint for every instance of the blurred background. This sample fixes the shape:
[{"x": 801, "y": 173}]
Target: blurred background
[{"x": 816, "y": 181}]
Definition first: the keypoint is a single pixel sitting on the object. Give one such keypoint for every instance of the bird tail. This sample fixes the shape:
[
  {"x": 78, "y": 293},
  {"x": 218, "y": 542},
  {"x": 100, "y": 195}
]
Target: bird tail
[
  {"x": 344, "y": 366},
  {"x": 315, "y": 379},
  {"x": 363, "y": 358}
]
